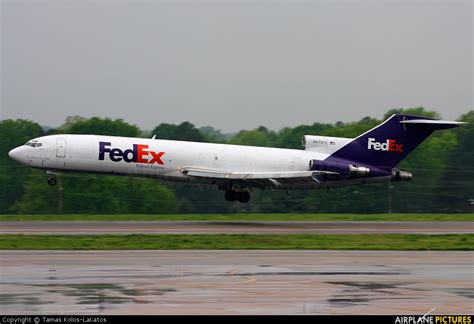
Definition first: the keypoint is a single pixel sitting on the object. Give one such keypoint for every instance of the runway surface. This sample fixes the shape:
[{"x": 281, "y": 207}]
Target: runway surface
[
  {"x": 203, "y": 227},
  {"x": 236, "y": 282}
]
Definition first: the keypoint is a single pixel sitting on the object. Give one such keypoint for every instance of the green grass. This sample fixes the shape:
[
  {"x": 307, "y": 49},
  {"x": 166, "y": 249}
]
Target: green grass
[
  {"x": 405, "y": 242},
  {"x": 242, "y": 217}
]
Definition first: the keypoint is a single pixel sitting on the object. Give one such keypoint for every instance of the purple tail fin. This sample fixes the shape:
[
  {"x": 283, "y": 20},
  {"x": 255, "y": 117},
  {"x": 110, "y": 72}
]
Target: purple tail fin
[{"x": 385, "y": 145}]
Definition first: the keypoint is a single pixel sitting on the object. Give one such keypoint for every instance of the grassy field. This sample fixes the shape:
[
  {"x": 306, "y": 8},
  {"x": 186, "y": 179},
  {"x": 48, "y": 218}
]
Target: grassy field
[
  {"x": 464, "y": 242},
  {"x": 243, "y": 217}
]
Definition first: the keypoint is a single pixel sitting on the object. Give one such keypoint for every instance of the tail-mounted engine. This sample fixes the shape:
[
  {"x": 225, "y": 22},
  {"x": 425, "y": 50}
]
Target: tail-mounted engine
[
  {"x": 344, "y": 170},
  {"x": 398, "y": 175},
  {"x": 347, "y": 170}
]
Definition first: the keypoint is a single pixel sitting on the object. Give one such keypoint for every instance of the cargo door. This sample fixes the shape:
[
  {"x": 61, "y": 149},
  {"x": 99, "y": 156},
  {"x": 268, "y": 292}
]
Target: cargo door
[{"x": 61, "y": 148}]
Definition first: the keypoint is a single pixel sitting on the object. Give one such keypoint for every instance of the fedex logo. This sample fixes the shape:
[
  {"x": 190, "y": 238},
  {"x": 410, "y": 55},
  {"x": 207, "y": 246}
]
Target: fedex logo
[
  {"x": 390, "y": 145},
  {"x": 139, "y": 154}
]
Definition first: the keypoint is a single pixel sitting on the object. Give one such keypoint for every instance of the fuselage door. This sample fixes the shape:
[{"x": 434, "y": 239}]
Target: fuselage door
[{"x": 61, "y": 148}]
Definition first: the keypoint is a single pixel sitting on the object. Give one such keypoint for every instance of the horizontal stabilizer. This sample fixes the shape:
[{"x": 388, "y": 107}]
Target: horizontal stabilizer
[{"x": 432, "y": 123}]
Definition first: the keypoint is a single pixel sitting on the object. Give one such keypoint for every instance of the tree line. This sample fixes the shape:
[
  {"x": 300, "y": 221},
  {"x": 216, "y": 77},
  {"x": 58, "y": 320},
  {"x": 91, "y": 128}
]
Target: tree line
[{"x": 443, "y": 168}]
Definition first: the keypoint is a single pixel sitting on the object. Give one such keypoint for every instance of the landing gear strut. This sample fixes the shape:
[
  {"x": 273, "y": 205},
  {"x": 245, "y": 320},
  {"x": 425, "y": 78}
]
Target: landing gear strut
[{"x": 241, "y": 196}]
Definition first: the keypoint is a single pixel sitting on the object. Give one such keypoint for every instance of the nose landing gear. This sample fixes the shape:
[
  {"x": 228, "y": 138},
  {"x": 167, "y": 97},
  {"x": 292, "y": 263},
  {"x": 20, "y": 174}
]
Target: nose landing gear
[
  {"x": 241, "y": 196},
  {"x": 52, "y": 181}
]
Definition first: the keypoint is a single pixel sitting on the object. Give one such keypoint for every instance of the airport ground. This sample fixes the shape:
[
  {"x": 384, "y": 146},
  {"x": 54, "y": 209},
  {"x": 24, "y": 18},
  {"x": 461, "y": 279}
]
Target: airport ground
[
  {"x": 236, "y": 282},
  {"x": 268, "y": 264}
]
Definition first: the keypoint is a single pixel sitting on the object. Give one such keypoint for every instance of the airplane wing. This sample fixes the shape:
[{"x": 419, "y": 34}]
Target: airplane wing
[{"x": 286, "y": 179}]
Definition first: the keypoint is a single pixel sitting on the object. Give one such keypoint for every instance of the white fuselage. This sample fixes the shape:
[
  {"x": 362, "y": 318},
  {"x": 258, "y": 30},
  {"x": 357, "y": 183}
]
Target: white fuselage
[{"x": 82, "y": 153}]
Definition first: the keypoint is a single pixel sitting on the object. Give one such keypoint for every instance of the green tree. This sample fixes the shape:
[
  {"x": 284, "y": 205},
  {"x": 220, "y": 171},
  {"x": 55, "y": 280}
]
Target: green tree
[
  {"x": 182, "y": 132},
  {"x": 76, "y": 193},
  {"x": 213, "y": 135},
  {"x": 417, "y": 111},
  {"x": 99, "y": 126},
  {"x": 12, "y": 174},
  {"x": 256, "y": 137},
  {"x": 457, "y": 186},
  {"x": 351, "y": 130}
]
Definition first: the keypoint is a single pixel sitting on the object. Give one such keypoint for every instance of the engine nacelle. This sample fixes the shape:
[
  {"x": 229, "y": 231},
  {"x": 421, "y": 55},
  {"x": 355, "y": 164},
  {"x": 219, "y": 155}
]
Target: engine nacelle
[
  {"x": 345, "y": 170},
  {"x": 398, "y": 175}
]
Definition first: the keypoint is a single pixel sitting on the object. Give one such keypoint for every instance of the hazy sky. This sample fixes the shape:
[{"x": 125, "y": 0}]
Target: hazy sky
[{"x": 234, "y": 64}]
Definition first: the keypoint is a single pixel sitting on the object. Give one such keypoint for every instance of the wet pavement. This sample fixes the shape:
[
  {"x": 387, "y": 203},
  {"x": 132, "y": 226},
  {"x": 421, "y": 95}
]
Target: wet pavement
[{"x": 236, "y": 282}]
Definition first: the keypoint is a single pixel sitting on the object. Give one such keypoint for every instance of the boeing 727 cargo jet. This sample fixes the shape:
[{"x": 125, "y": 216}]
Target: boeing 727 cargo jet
[{"x": 325, "y": 161}]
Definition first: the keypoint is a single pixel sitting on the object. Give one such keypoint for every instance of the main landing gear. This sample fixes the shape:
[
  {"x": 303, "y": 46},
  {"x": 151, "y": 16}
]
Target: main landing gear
[{"x": 241, "y": 196}]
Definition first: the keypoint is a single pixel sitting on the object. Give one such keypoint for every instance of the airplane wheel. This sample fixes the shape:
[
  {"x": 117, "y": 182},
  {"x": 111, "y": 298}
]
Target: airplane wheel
[
  {"x": 244, "y": 197},
  {"x": 52, "y": 181},
  {"x": 230, "y": 195}
]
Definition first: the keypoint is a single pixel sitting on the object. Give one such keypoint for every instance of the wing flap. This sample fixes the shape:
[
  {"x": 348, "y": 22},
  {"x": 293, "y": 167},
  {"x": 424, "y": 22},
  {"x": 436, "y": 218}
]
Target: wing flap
[
  {"x": 266, "y": 179},
  {"x": 209, "y": 173}
]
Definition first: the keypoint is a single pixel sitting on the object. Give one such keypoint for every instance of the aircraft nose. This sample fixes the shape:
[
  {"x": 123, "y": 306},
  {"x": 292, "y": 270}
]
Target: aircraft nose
[{"x": 15, "y": 154}]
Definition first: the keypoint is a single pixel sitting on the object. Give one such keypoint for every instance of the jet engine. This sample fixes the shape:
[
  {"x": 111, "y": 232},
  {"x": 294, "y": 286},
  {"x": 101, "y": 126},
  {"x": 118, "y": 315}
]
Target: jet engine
[
  {"x": 345, "y": 170},
  {"x": 398, "y": 175}
]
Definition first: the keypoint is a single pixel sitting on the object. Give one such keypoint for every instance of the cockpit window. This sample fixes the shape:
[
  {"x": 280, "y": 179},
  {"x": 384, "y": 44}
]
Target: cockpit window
[{"x": 33, "y": 143}]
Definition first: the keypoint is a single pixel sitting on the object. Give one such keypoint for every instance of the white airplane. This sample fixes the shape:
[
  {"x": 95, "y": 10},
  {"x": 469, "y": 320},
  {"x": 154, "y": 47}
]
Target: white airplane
[{"x": 325, "y": 161}]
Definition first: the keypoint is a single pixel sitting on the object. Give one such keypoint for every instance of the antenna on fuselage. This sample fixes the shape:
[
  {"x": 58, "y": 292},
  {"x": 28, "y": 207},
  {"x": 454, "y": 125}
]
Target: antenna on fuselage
[{"x": 154, "y": 137}]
